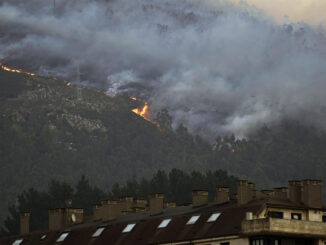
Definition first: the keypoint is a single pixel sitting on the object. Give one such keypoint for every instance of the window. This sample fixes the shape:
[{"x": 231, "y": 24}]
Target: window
[
  {"x": 213, "y": 217},
  {"x": 257, "y": 242},
  {"x": 128, "y": 228},
  {"x": 224, "y": 243},
  {"x": 17, "y": 242},
  {"x": 273, "y": 214},
  {"x": 164, "y": 223},
  {"x": 193, "y": 220},
  {"x": 98, "y": 232},
  {"x": 296, "y": 216},
  {"x": 265, "y": 240},
  {"x": 324, "y": 218},
  {"x": 62, "y": 237},
  {"x": 276, "y": 242}
]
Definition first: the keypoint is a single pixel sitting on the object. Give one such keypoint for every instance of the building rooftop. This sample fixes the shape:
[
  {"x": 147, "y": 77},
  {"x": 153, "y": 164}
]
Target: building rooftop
[{"x": 173, "y": 224}]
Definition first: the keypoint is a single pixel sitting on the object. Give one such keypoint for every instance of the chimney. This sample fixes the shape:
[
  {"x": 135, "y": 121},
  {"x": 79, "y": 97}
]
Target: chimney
[
  {"x": 245, "y": 192},
  {"x": 55, "y": 219},
  {"x": 156, "y": 203},
  {"x": 97, "y": 212},
  {"x": 64, "y": 217},
  {"x": 24, "y": 223},
  {"x": 126, "y": 203},
  {"x": 312, "y": 193},
  {"x": 281, "y": 192},
  {"x": 110, "y": 210},
  {"x": 222, "y": 195},
  {"x": 199, "y": 198},
  {"x": 295, "y": 191}
]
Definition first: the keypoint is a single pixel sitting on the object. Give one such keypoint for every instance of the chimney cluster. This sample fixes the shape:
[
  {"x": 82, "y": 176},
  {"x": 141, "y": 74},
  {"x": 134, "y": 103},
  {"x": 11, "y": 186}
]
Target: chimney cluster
[
  {"x": 246, "y": 192},
  {"x": 110, "y": 209},
  {"x": 64, "y": 217},
  {"x": 306, "y": 192}
]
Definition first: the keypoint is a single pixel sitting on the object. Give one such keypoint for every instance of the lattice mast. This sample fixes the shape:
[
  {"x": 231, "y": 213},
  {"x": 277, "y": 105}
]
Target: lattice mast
[{"x": 79, "y": 91}]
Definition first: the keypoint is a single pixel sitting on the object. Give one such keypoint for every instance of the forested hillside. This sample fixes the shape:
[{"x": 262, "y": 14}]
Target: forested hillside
[{"x": 46, "y": 132}]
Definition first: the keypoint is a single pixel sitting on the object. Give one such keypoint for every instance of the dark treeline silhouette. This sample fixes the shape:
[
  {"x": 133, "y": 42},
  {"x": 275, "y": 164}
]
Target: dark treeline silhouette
[{"x": 176, "y": 186}]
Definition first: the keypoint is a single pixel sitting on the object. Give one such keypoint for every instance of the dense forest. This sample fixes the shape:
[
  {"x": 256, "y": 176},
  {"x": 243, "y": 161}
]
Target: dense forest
[
  {"x": 47, "y": 133},
  {"x": 176, "y": 186}
]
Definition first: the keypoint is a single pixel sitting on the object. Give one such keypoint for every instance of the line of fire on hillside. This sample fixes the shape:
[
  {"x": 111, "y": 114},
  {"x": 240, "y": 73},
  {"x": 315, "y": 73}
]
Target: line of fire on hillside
[{"x": 143, "y": 111}]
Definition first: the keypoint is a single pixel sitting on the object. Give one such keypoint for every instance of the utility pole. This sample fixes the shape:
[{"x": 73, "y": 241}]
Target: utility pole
[
  {"x": 53, "y": 6},
  {"x": 79, "y": 91}
]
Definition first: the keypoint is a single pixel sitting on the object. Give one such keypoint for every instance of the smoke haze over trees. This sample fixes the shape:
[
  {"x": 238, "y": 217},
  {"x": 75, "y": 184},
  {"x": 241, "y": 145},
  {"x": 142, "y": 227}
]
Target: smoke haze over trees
[
  {"x": 218, "y": 68},
  {"x": 45, "y": 133}
]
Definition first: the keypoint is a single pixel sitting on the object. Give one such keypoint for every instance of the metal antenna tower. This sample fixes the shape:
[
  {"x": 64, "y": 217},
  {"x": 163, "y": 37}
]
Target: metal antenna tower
[{"x": 79, "y": 91}]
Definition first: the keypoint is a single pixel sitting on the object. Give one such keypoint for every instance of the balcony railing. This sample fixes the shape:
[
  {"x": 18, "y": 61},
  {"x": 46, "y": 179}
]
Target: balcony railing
[{"x": 284, "y": 226}]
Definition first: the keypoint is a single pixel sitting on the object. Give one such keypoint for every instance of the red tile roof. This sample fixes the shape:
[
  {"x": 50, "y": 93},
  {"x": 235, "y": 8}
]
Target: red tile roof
[{"x": 146, "y": 231}]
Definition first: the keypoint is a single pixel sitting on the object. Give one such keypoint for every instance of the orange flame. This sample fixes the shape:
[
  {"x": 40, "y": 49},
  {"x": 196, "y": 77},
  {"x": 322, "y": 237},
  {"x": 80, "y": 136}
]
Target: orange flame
[
  {"x": 68, "y": 84},
  {"x": 6, "y": 68},
  {"x": 143, "y": 112}
]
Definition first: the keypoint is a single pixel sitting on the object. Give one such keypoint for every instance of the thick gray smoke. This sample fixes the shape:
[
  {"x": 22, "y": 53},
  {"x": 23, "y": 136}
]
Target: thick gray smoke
[{"x": 216, "y": 67}]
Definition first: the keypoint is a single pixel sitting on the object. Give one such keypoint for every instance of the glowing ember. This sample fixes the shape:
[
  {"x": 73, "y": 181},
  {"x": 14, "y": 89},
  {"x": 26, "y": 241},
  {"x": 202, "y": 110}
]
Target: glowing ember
[
  {"x": 6, "y": 68},
  {"x": 134, "y": 98}
]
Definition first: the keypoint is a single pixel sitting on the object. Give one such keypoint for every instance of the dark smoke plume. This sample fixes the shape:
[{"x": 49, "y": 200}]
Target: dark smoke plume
[{"x": 217, "y": 68}]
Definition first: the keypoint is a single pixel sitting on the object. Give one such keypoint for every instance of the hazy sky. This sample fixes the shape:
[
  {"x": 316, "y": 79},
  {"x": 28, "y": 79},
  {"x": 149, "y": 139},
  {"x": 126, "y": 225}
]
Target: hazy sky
[
  {"x": 218, "y": 68},
  {"x": 311, "y": 11}
]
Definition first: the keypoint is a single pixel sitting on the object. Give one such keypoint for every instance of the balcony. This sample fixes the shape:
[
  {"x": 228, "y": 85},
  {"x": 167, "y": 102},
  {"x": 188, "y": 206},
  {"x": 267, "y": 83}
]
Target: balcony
[{"x": 274, "y": 226}]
